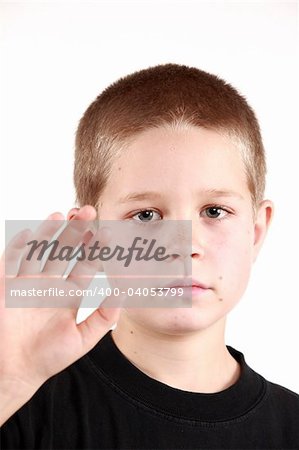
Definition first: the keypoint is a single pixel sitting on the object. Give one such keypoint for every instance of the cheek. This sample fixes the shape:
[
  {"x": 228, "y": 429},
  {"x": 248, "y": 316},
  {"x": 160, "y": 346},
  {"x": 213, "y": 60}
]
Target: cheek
[{"x": 232, "y": 260}]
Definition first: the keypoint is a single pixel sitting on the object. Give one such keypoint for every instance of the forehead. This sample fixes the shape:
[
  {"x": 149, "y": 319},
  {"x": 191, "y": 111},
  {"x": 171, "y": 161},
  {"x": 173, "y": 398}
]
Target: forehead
[{"x": 183, "y": 158}]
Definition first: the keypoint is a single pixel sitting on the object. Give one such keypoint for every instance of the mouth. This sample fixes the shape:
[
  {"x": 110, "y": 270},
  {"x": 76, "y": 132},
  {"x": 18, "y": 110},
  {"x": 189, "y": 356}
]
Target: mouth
[
  {"x": 186, "y": 287},
  {"x": 185, "y": 282}
]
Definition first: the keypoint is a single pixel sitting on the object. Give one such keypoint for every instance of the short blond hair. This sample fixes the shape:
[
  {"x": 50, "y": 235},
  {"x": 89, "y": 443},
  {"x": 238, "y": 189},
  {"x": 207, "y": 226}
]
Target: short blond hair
[{"x": 167, "y": 94}]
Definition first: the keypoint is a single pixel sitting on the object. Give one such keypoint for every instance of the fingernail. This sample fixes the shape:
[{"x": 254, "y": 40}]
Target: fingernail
[{"x": 73, "y": 216}]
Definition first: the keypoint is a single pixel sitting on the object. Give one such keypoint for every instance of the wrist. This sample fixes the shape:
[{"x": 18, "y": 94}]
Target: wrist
[{"x": 14, "y": 393}]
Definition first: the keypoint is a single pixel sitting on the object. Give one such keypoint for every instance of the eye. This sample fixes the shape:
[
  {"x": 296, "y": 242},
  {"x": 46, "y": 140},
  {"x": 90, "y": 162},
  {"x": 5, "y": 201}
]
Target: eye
[
  {"x": 216, "y": 212},
  {"x": 145, "y": 215}
]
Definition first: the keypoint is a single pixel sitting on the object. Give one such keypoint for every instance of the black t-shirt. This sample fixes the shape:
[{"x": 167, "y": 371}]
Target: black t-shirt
[{"x": 103, "y": 401}]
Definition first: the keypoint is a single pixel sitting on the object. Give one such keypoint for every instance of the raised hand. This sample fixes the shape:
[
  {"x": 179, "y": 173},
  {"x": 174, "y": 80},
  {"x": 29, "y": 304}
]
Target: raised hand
[{"x": 36, "y": 343}]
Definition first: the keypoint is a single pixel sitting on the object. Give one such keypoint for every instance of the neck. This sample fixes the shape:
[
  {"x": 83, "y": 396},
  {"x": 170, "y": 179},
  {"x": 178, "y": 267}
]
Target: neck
[{"x": 196, "y": 361}]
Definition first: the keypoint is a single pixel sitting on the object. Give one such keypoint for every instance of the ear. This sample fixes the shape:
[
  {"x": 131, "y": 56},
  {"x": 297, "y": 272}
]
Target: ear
[{"x": 263, "y": 219}]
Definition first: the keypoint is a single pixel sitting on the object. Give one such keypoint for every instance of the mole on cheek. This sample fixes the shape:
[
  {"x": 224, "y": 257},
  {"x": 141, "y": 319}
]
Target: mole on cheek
[
  {"x": 131, "y": 332},
  {"x": 220, "y": 278},
  {"x": 220, "y": 299}
]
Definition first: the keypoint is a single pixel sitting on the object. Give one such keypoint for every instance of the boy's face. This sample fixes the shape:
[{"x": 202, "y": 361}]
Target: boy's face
[{"x": 194, "y": 171}]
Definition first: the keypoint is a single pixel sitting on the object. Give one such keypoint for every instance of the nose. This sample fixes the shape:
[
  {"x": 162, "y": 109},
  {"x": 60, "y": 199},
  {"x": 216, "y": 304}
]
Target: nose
[
  {"x": 197, "y": 244},
  {"x": 190, "y": 243},
  {"x": 197, "y": 254}
]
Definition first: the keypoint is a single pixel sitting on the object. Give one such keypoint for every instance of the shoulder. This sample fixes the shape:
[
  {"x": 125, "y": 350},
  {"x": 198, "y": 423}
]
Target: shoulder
[
  {"x": 283, "y": 396},
  {"x": 282, "y": 408},
  {"x": 271, "y": 403}
]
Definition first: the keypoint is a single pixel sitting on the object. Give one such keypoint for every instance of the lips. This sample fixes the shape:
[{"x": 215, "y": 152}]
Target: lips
[{"x": 186, "y": 282}]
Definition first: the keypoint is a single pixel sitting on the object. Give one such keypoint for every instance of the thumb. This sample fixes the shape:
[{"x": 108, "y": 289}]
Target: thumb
[{"x": 95, "y": 326}]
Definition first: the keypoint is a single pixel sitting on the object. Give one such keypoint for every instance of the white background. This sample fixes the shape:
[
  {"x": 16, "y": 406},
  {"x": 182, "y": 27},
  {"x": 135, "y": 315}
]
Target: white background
[{"x": 56, "y": 57}]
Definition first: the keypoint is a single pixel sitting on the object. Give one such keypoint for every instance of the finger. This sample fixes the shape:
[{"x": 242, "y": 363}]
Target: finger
[
  {"x": 11, "y": 257},
  {"x": 30, "y": 264},
  {"x": 97, "y": 325},
  {"x": 113, "y": 301},
  {"x": 72, "y": 212},
  {"x": 65, "y": 247},
  {"x": 85, "y": 270}
]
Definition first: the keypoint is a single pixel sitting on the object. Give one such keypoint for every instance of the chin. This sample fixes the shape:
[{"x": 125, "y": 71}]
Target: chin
[{"x": 176, "y": 321}]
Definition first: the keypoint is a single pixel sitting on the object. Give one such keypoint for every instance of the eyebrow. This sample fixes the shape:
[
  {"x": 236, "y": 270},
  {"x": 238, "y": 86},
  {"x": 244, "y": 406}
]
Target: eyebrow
[
  {"x": 152, "y": 195},
  {"x": 222, "y": 193}
]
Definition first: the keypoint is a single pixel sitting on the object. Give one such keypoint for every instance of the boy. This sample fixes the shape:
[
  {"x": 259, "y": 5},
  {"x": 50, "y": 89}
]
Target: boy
[{"x": 170, "y": 142}]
